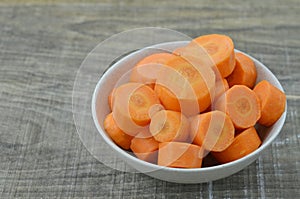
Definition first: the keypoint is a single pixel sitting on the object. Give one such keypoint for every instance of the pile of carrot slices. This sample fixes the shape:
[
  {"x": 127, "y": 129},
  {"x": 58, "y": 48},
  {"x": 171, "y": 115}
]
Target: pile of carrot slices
[{"x": 198, "y": 101}]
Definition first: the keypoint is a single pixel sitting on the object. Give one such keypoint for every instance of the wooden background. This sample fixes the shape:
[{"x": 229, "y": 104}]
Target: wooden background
[{"x": 42, "y": 44}]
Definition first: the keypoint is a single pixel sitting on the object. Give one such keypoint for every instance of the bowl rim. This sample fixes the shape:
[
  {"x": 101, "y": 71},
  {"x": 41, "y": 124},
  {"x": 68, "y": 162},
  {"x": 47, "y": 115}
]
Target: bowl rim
[{"x": 153, "y": 167}]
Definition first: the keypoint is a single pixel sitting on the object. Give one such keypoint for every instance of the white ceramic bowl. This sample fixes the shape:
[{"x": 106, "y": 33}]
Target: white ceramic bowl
[{"x": 178, "y": 175}]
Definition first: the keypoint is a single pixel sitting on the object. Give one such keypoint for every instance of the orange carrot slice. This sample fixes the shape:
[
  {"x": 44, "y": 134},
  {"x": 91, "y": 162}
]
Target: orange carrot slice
[
  {"x": 166, "y": 126},
  {"x": 243, "y": 144},
  {"x": 140, "y": 103},
  {"x": 145, "y": 147},
  {"x": 184, "y": 86},
  {"x": 221, "y": 50},
  {"x": 167, "y": 98},
  {"x": 145, "y": 71},
  {"x": 272, "y": 100},
  {"x": 213, "y": 130},
  {"x": 180, "y": 155},
  {"x": 131, "y": 104},
  {"x": 195, "y": 53},
  {"x": 244, "y": 72},
  {"x": 241, "y": 104},
  {"x": 116, "y": 134},
  {"x": 140, "y": 99}
]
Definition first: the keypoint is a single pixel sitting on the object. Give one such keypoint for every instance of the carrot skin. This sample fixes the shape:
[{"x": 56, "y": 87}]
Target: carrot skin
[
  {"x": 145, "y": 147},
  {"x": 213, "y": 130},
  {"x": 243, "y": 144},
  {"x": 244, "y": 72},
  {"x": 179, "y": 155},
  {"x": 116, "y": 134},
  {"x": 272, "y": 101}
]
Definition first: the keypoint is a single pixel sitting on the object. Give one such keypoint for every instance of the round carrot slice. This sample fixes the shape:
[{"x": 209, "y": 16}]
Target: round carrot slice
[
  {"x": 185, "y": 86},
  {"x": 131, "y": 104},
  {"x": 242, "y": 145},
  {"x": 140, "y": 102},
  {"x": 145, "y": 71},
  {"x": 244, "y": 72},
  {"x": 272, "y": 100},
  {"x": 241, "y": 104},
  {"x": 180, "y": 155},
  {"x": 121, "y": 138},
  {"x": 166, "y": 126},
  {"x": 221, "y": 50},
  {"x": 213, "y": 130},
  {"x": 145, "y": 147}
]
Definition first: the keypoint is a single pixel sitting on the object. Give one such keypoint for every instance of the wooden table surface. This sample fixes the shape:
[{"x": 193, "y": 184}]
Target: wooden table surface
[{"x": 42, "y": 45}]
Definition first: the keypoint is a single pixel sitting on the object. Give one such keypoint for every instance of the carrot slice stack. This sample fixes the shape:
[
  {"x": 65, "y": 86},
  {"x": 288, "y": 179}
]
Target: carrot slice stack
[{"x": 179, "y": 107}]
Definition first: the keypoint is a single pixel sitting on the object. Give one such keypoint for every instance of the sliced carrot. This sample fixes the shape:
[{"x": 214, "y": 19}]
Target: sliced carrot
[
  {"x": 244, "y": 72},
  {"x": 145, "y": 71},
  {"x": 243, "y": 144},
  {"x": 179, "y": 154},
  {"x": 145, "y": 147},
  {"x": 195, "y": 53},
  {"x": 167, "y": 97},
  {"x": 131, "y": 104},
  {"x": 221, "y": 50},
  {"x": 140, "y": 103},
  {"x": 184, "y": 86},
  {"x": 115, "y": 133},
  {"x": 213, "y": 130},
  {"x": 241, "y": 104},
  {"x": 272, "y": 100},
  {"x": 149, "y": 113},
  {"x": 166, "y": 126},
  {"x": 141, "y": 98}
]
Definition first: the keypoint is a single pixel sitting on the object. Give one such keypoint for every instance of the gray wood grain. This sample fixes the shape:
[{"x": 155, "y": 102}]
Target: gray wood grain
[{"x": 42, "y": 44}]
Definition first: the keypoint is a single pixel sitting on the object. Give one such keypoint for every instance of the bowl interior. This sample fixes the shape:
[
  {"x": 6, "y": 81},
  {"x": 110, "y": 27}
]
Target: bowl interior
[{"x": 118, "y": 73}]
